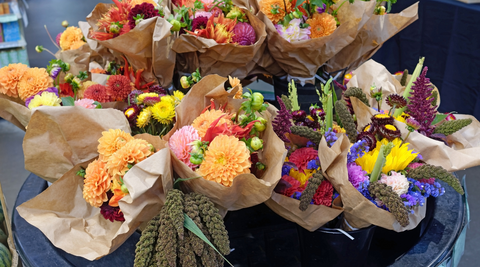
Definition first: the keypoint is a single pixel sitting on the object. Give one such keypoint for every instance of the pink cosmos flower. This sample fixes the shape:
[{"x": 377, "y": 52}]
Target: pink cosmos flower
[
  {"x": 179, "y": 144},
  {"x": 86, "y": 103}
]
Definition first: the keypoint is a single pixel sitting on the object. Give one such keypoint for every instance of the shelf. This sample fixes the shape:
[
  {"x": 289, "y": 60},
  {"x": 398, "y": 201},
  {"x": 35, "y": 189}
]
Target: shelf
[
  {"x": 8, "y": 18},
  {"x": 14, "y": 44}
]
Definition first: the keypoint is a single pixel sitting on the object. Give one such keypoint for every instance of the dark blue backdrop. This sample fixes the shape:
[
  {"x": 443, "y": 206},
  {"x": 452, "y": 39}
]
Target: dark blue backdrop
[{"x": 447, "y": 34}]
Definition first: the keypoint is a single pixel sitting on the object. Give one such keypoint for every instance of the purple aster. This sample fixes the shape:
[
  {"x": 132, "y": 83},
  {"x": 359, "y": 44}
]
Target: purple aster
[
  {"x": 132, "y": 97},
  {"x": 356, "y": 175}
]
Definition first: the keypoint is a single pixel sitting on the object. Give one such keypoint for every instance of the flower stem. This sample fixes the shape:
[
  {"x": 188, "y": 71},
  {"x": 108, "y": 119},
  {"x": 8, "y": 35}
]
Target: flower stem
[
  {"x": 404, "y": 140},
  {"x": 51, "y": 39}
]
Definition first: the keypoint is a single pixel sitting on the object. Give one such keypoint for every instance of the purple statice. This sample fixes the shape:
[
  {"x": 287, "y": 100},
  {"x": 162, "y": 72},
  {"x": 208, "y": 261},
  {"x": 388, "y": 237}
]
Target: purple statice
[
  {"x": 357, "y": 150},
  {"x": 409, "y": 201},
  {"x": 49, "y": 89},
  {"x": 296, "y": 195},
  {"x": 310, "y": 144},
  {"x": 313, "y": 164},
  {"x": 330, "y": 137},
  {"x": 286, "y": 169},
  {"x": 293, "y": 31},
  {"x": 421, "y": 189},
  {"x": 54, "y": 72},
  {"x": 281, "y": 123},
  {"x": 420, "y": 104},
  {"x": 356, "y": 175},
  {"x": 321, "y": 9}
]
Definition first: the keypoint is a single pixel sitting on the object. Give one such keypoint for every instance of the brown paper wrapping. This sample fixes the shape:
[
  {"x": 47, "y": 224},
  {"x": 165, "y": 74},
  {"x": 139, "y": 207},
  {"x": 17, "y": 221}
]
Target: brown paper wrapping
[
  {"x": 358, "y": 211},
  {"x": 464, "y": 145},
  {"x": 376, "y": 31},
  {"x": 222, "y": 59},
  {"x": 14, "y": 111},
  {"x": 138, "y": 45},
  {"x": 58, "y": 138},
  {"x": 74, "y": 226},
  {"x": 246, "y": 190},
  {"x": 303, "y": 58}
]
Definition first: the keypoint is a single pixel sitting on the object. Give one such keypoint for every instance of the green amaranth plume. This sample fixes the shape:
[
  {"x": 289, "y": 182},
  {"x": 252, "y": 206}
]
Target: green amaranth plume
[
  {"x": 347, "y": 120},
  {"x": 304, "y": 131},
  {"x": 427, "y": 171},
  {"x": 146, "y": 245},
  {"x": 287, "y": 102},
  {"x": 403, "y": 81},
  {"x": 293, "y": 96},
  {"x": 391, "y": 199},
  {"x": 358, "y": 93},
  {"x": 434, "y": 98},
  {"x": 450, "y": 127},
  {"x": 174, "y": 204},
  {"x": 192, "y": 211},
  {"x": 167, "y": 242},
  {"x": 312, "y": 186}
]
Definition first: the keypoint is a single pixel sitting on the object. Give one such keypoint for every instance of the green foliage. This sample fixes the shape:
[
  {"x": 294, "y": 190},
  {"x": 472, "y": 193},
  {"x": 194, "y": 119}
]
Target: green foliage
[
  {"x": 293, "y": 96},
  {"x": 68, "y": 101}
]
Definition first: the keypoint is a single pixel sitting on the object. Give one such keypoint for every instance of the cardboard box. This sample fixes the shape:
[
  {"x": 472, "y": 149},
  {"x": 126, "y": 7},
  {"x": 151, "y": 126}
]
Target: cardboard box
[{"x": 7, "y": 227}]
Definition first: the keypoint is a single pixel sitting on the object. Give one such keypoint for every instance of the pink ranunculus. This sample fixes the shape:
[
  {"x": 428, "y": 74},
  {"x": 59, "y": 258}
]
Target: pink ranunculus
[
  {"x": 86, "y": 103},
  {"x": 397, "y": 181}
]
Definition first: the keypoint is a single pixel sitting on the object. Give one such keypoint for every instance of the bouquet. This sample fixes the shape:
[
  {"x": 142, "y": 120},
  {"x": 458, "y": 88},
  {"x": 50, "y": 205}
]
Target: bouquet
[
  {"x": 123, "y": 188},
  {"x": 216, "y": 37},
  {"x": 226, "y": 142}
]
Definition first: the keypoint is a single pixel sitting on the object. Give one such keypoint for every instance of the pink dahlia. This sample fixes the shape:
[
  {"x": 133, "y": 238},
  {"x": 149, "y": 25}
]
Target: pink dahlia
[
  {"x": 244, "y": 34},
  {"x": 203, "y": 14},
  {"x": 86, "y": 103},
  {"x": 180, "y": 141}
]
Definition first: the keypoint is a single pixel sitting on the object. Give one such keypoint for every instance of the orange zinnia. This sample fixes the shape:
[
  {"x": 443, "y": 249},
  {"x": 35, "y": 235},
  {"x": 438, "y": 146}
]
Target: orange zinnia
[
  {"x": 9, "y": 77},
  {"x": 202, "y": 122},
  {"x": 111, "y": 141},
  {"x": 321, "y": 25},
  {"x": 266, "y": 7},
  {"x": 33, "y": 81},
  {"x": 226, "y": 158},
  {"x": 96, "y": 183},
  {"x": 131, "y": 153}
]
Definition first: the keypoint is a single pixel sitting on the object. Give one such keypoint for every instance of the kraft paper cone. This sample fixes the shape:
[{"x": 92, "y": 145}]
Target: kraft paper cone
[
  {"x": 375, "y": 31},
  {"x": 303, "y": 58},
  {"x": 14, "y": 111},
  {"x": 222, "y": 59},
  {"x": 58, "y": 138},
  {"x": 359, "y": 211},
  {"x": 465, "y": 144},
  {"x": 246, "y": 190},
  {"x": 137, "y": 45},
  {"x": 74, "y": 226}
]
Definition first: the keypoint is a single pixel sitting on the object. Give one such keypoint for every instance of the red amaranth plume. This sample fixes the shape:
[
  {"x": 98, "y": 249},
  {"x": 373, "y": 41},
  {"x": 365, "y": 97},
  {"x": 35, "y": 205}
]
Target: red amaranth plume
[
  {"x": 145, "y": 9},
  {"x": 244, "y": 34},
  {"x": 282, "y": 122},
  {"x": 420, "y": 105}
]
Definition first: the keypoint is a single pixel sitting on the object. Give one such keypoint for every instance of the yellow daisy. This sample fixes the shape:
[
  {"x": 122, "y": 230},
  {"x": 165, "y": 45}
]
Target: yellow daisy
[
  {"x": 144, "y": 117},
  {"x": 45, "y": 99},
  {"x": 163, "y": 112},
  {"x": 141, "y": 97}
]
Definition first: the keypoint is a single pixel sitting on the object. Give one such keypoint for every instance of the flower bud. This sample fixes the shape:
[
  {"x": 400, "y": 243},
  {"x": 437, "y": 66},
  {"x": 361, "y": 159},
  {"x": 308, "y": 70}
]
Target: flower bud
[
  {"x": 380, "y": 10},
  {"x": 124, "y": 189},
  {"x": 242, "y": 117},
  {"x": 39, "y": 48},
  {"x": 196, "y": 147},
  {"x": 67, "y": 66},
  {"x": 196, "y": 159},
  {"x": 65, "y": 23},
  {"x": 69, "y": 77},
  {"x": 260, "y": 127},
  {"x": 257, "y": 101},
  {"x": 184, "y": 82},
  {"x": 256, "y": 143},
  {"x": 176, "y": 25},
  {"x": 114, "y": 28}
]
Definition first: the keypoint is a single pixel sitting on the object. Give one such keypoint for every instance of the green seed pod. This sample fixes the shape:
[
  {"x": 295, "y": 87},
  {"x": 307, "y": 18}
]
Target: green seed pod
[
  {"x": 287, "y": 102},
  {"x": 403, "y": 81},
  {"x": 174, "y": 203},
  {"x": 393, "y": 202},
  {"x": 450, "y": 127},
  {"x": 358, "y": 93},
  {"x": 146, "y": 245},
  {"x": 347, "y": 120}
]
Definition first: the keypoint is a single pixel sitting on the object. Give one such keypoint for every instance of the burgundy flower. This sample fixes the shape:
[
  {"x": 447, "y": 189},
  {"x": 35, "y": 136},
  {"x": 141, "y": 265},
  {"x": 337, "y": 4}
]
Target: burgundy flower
[
  {"x": 397, "y": 100},
  {"x": 281, "y": 123},
  {"x": 157, "y": 89},
  {"x": 382, "y": 119},
  {"x": 389, "y": 131},
  {"x": 299, "y": 115},
  {"x": 111, "y": 213},
  {"x": 145, "y": 9},
  {"x": 244, "y": 34},
  {"x": 199, "y": 23},
  {"x": 369, "y": 138}
]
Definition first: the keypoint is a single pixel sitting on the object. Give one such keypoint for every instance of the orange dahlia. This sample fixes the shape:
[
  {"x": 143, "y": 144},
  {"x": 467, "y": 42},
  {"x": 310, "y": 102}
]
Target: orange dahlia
[
  {"x": 117, "y": 193},
  {"x": 234, "y": 82},
  {"x": 96, "y": 183},
  {"x": 202, "y": 122},
  {"x": 131, "y": 153},
  {"x": 98, "y": 70},
  {"x": 280, "y": 6},
  {"x": 9, "y": 77},
  {"x": 111, "y": 141},
  {"x": 225, "y": 158},
  {"x": 97, "y": 92},
  {"x": 84, "y": 87},
  {"x": 321, "y": 25},
  {"x": 33, "y": 81},
  {"x": 70, "y": 38},
  {"x": 118, "y": 87}
]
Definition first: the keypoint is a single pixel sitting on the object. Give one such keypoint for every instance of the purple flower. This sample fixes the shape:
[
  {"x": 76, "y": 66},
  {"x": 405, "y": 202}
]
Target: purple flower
[
  {"x": 356, "y": 175},
  {"x": 313, "y": 164},
  {"x": 293, "y": 32},
  {"x": 244, "y": 34},
  {"x": 49, "y": 89},
  {"x": 286, "y": 169},
  {"x": 281, "y": 124},
  {"x": 330, "y": 137},
  {"x": 111, "y": 213},
  {"x": 54, "y": 72},
  {"x": 357, "y": 150},
  {"x": 321, "y": 9},
  {"x": 132, "y": 97}
]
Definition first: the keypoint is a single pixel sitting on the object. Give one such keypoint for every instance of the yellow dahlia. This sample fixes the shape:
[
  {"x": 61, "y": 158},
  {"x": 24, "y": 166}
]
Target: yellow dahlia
[
  {"x": 45, "y": 99},
  {"x": 266, "y": 6},
  {"x": 321, "y": 25},
  {"x": 84, "y": 87},
  {"x": 132, "y": 152},
  {"x": 225, "y": 158},
  {"x": 111, "y": 141},
  {"x": 163, "y": 112},
  {"x": 397, "y": 160},
  {"x": 96, "y": 183},
  {"x": 9, "y": 77},
  {"x": 144, "y": 117},
  {"x": 33, "y": 81},
  {"x": 69, "y": 37},
  {"x": 234, "y": 82},
  {"x": 141, "y": 97},
  {"x": 202, "y": 122}
]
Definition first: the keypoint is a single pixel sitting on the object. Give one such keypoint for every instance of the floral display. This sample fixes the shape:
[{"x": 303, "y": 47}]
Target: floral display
[
  {"x": 71, "y": 39},
  {"x": 217, "y": 20},
  {"x": 103, "y": 183},
  {"x": 221, "y": 144}
]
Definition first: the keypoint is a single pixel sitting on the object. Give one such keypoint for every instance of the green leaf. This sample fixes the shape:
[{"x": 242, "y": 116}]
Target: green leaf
[
  {"x": 439, "y": 118},
  {"x": 198, "y": 5},
  {"x": 176, "y": 183},
  {"x": 98, "y": 104},
  {"x": 190, "y": 225},
  {"x": 315, "y": 2},
  {"x": 82, "y": 75},
  {"x": 68, "y": 101}
]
